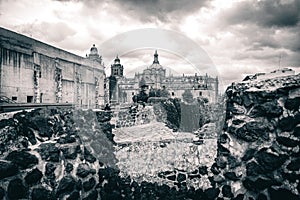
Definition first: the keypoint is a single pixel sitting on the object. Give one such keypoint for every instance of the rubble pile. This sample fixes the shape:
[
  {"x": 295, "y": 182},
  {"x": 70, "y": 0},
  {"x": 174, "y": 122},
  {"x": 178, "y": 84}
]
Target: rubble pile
[{"x": 69, "y": 154}]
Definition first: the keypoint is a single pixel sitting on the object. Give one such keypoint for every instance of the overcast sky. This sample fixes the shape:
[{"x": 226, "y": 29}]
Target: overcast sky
[{"x": 240, "y": 37}]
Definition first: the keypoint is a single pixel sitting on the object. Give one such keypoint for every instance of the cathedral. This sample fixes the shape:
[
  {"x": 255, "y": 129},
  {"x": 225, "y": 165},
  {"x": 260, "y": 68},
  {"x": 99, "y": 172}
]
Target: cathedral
[{"x": 122, "y": 89}]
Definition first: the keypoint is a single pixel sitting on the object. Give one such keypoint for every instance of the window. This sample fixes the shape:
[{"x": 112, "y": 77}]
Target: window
[
  {"x": 14, "y": 98},
  {"x": 132, "y": 93},
  {"x": 200, "y": 93},
  {"x": 40, "y": 74},
  {"x": 29, "y": 99},
  {"x": 173, "y": 94},
  {"x": 41, "y": 97}
]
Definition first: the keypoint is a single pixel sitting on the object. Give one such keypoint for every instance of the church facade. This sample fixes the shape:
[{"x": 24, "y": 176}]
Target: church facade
[
  {"x": 34, "y": 72},
  {"x": 122, "y": 89}
]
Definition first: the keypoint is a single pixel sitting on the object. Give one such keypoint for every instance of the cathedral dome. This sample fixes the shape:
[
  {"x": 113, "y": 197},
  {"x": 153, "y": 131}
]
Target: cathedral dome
[
  {"x": 117, "y": 59},
  {"x": 155, "y": 66},
  {"x": 94, "y": 50}
]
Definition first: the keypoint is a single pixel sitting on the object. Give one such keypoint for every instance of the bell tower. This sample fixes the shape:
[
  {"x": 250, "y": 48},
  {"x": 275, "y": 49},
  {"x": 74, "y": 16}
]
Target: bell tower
[
  {"x": 116, "y": 68},
  {"x": 114, "y": 79}
]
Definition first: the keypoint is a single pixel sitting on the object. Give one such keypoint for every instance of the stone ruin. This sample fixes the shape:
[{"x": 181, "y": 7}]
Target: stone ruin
[{"x": 47, "y": 154}]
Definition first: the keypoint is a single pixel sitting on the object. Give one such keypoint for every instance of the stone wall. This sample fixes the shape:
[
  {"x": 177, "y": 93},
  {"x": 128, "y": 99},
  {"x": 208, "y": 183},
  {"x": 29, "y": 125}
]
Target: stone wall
[
  {"x": 135, "y": 115},
  {"x": 55, "y": 154},
  {"x": 258, "y": 151}
]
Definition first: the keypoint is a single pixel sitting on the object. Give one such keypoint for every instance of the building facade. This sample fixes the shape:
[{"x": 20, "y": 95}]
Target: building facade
[
  {"x": 34, "y": 72},
  {"x": 122, "y": 89}
]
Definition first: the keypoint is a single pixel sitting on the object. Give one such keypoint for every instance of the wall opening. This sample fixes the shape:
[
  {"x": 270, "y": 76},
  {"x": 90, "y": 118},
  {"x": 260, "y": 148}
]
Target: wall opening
[
  {"x": 29, "y": 99},
  {"x": 41, "y": 97},
  {"x": 14, "y": 98}
]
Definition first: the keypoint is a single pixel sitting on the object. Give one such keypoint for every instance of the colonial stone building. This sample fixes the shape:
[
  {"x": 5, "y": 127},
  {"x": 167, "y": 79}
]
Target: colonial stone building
[
  {"x": 122, "y": 88},
  {"x": 34, "y": 72}
]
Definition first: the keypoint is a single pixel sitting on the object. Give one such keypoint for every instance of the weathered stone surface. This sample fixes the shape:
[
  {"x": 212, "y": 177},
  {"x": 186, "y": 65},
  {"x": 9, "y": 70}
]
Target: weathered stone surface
[
  {"x": 223, "y": 150},
  {"x": 248, "y": 99},
  {"x": 239, "y": 197},
  {"x": 33, "y": 177},
  {"x": 84, "y": 170},
  {"x": 74, "y": 195},
  {"x": 103, "y": 116},
  {"x": 235, "y": 109},
  {"x": 5, "y": 122},
  {"x": 16, "y": 189},
  {"x": 252, "y": 131},
  {"x": 212, "y": 193},
  {"x": 41, "y": 194},
  {"x": 203, "y": 170},
  {"x": 69, "y": 167},
  {"x": 226, "y": 191},
  {"x": 88, "y": 185},
  {"x": 2, "y": 193},
  {"x": 294, "y": 165},
  {"x": 215, "y": 169},
  {"x": 287, "y": 141},
  {"x": 66, "y": 139},
  {"x": 221, "y": 162},
  {"x": 7, "y": 169},
  {"x": 223, "y": 138},
  {"x": 181, "y": 177},
  {"x": 49, "y": 152},
  {"x": 28, "y": 132},
  {"x": 291, "y": 177},
  {"x": 231, "y": 176},
  {"x": 287, "y": 123},
  {"x": 88, "y": 156},
  {"x": 232, "y": 162},
  {"x": 171, "y": 177},
  {"x": 269, "y": 161},
  {"x": 41, "y": 123},
  {"x": 262, "y": 196},
  {"x": 282, "y": 193},
  {"x": 49, "y": 173},
  {"x": 292, "y": 104},
  {"x": 70, "y": 152},
  {"x": 269, "y": 109},
  {"x": 253, "y": 169},
  {"x": 237, "y": 121},
  {"x": 259, "y": 184},
  {"x": 66, "y": 185},
  {"x": 94, "y": 196},
  {"x": 248, "y": 154},
  {"x": 22, "y": 159},
  {"x": 297, "y": 131}
]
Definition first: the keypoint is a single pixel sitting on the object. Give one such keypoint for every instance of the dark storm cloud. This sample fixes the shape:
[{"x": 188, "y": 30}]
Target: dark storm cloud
[
  {"x": 162, "y": 10},
  {"x": 265, "y": 13},
  {"x": 264, "y": 29},
  {"x": 150, "y": 10}
]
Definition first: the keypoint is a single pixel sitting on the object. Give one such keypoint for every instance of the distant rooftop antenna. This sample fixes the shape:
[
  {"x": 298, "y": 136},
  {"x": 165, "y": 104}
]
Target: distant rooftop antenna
[{"x": 279, "y": 62}]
